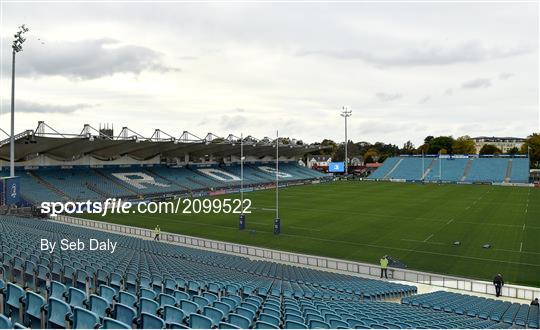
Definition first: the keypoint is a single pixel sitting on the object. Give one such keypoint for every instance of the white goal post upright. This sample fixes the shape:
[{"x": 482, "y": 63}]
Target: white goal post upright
[
  {"x": 277, "y": 220},
  {"x": 242, "y": 171}
]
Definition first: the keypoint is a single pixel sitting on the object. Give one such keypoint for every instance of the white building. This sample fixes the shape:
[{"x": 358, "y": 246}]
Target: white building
[
  {"x": 503, "y": 143},
  {"x": 318, "y": 161}
]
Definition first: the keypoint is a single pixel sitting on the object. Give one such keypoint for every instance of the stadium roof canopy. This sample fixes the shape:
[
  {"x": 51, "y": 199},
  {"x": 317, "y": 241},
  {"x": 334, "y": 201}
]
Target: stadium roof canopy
[{"x": 94, "y": 142}]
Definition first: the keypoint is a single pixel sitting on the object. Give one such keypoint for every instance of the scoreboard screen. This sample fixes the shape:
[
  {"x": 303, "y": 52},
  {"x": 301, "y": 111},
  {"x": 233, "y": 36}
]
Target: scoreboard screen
[{"x": 336, "y": 167}]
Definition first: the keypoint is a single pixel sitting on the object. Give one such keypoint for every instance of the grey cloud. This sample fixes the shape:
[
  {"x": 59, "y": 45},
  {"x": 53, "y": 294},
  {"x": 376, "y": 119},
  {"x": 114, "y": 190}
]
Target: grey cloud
[
  {"x": 34, "y": 107},
  {"x": 233, "y": 122},
  {"x": 88, "y": 59},
  {"x": 423, "y": 54},
  {"x": 388, "y": 97},
  {"x": 476, "y": 83},
  {"x": 506, "y": 75}
]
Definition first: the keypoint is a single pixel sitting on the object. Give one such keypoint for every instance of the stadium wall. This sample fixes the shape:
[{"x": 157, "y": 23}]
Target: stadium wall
[{"x": 350, "y": 267}]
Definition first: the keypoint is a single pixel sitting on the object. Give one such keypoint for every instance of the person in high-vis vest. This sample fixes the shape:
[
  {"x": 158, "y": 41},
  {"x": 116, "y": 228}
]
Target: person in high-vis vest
[
  {"x": 157, "y": 232},
  {"x": 384, "y": 267}
]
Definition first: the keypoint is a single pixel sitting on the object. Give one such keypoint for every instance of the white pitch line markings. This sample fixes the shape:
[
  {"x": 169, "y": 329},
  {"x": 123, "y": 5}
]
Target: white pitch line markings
[
  {"x": 450, "y": 221},
  {"x": 521, "y": 247},
  {"x": 427, "y": 239}
]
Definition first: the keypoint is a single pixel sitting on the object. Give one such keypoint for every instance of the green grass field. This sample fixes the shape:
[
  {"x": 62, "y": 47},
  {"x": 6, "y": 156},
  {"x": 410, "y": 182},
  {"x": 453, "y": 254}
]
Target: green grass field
[{"x": 363, "y": 220}]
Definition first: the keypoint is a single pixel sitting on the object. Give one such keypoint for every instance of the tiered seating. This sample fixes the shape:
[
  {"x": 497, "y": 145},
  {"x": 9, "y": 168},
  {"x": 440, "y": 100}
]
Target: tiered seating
[
  {"x": 386, "y": 167},
  {"x": 488, "y": 170},
  {"x": 300, "y": 171},
  {"x": 520, "y": 170},
  {"x": 74, "y": 182},
  {"x": 133, "y": 179},
  {"x": 452, "y": 169},
  {"x": 179, "y": 175},
  {"x": 149, "y": 284},
  {"x": 492, "y": 169},
  {"x": 36, "y": 190},
  {"x": 84, "y": 183},
  {"x": 484, "y": 308},
  {"x": 410, "y": 168},
  {"x": 251, "y": 175}
]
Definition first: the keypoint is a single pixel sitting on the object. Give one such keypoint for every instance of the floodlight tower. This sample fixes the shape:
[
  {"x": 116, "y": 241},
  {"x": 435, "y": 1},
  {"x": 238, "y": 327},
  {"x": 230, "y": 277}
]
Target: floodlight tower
[
  {"x": 346, "y": 113},
  {"x": 16, "y": 47}
]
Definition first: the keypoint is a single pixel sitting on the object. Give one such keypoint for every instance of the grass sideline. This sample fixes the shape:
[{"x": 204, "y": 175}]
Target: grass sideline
[{"x": 361, "y": 221}]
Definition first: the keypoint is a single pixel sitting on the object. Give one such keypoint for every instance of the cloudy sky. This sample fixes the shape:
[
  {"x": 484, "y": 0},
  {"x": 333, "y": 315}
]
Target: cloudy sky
[{"x": 407, "y": 70}]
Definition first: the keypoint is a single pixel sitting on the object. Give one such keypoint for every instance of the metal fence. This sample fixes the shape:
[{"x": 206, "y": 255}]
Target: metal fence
[{"x": 354, "y": 268}]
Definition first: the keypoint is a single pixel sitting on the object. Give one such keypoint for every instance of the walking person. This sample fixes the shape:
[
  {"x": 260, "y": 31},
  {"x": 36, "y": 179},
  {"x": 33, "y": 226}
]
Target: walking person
[
  {"x": 384, "y": 267},
  {"x": 498, "y": 282},
  {"x": 157, "y": 232}
]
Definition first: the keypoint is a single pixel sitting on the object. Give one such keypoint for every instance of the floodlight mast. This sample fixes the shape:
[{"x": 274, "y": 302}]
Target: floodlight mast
[
  {"x": 346, "y": 113},
  {"x": 16, "y": 47}
]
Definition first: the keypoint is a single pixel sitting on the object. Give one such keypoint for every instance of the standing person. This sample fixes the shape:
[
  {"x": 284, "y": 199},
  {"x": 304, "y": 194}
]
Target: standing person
[
  {"x": 534, "y": 302},
  {"x": 498, "y": 282},
  {"x": 157, "y": 232},
  {"x": 384, "y": 267}
]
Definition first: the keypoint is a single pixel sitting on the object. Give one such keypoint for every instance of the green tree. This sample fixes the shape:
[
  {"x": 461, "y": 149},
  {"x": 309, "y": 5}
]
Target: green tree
[
  {"x": 352, "y": 151},
  {"x": 371, "y": 156},
  {"x": 408, "y": 148},
  {"x": 463, "y": 145},
  {"x": 490, "y": 149},
  {"x": 327, "y": 151},
  {"x": 532, "y": 148},
  {"x": 440, "y": 142},
  {"x": 513, "y": 151}
]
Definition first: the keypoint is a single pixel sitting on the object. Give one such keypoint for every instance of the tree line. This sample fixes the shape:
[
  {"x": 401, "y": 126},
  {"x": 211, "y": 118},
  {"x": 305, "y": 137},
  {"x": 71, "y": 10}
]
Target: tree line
[{"x": 379, "y": 151}]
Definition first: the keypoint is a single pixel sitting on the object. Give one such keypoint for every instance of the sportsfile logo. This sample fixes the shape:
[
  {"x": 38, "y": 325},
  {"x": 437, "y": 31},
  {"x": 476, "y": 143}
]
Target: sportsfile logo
[{"x": 180, "y": 205}]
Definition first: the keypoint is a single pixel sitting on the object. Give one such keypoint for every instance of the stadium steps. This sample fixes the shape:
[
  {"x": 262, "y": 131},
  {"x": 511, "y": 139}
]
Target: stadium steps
[
  {"x": 174, "y": 183},
  {"x": 393, "y": 169},
  {"x": 96, "y": 190},
  {"x": 256, "y": 174},
  {"x": 206, "y": 177},
  {"x": 428, "y": 169},
  {"x": 508, "y": 171},
  {"x": 467, "y": 169},
  {"x": 48, "y": 185},
  {"x": 118, "y": 183}
]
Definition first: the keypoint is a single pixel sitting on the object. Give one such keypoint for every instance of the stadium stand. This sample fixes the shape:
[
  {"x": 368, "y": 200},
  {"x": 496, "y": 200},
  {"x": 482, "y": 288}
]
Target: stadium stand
[
  {"x": 84, "y": 183},
  {"x": 520, "y": 315},
  {"x": 454, "y": 169},
  {"x": 149, "y": 284}
]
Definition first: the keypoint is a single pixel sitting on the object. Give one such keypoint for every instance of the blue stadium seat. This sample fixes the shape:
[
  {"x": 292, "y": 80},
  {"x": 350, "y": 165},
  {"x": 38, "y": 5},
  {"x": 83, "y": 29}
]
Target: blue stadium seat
[
  {"x": 109, "y": 323},
  {"x": 225, "y": 325},
  {"x": 13, "y": 302},
  {"x": 173, "y": 315},
  {"x": 150, "y": 321},
  {"x": 124, "y": 313},
  {"x": 239, "y": 321},
  {"x": 76, "y": 297},
  {"x": 294, "y": 325},
  {"x": 84, "y": 319},
  {"x": 197, "y": 321},
  {"x": 265, "y": 325},
  {"x": 213, "y": 314},
  {"x": 127, "y": 298},
  {"x": 34, "y": 310},
  {"x": 58, "y": 313},
  {"x": 5, "y": 323}
]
